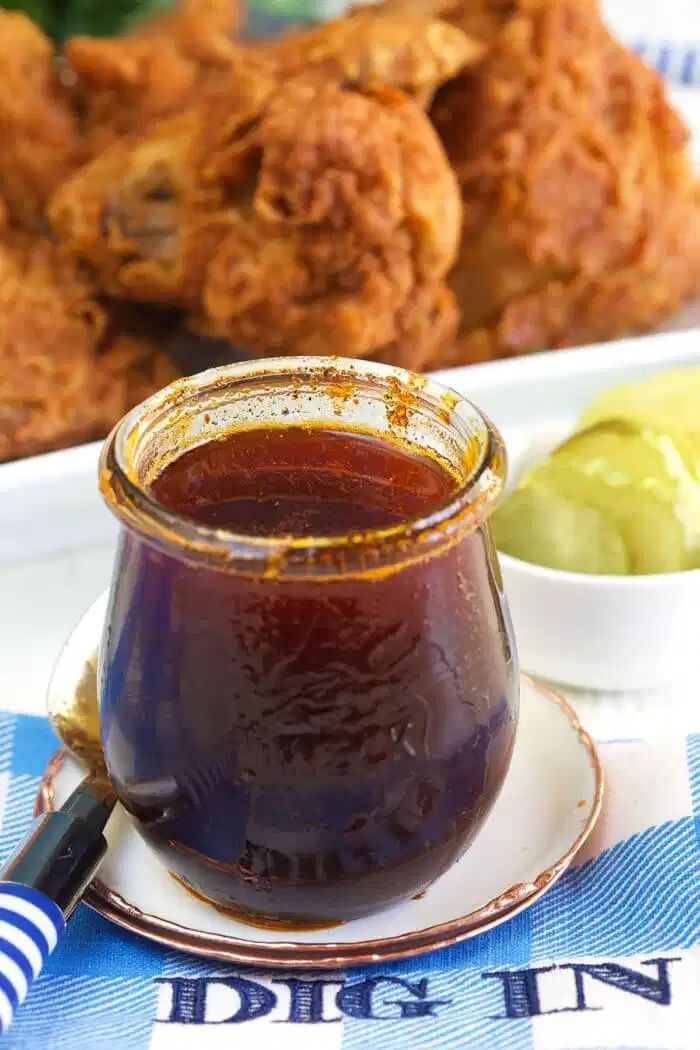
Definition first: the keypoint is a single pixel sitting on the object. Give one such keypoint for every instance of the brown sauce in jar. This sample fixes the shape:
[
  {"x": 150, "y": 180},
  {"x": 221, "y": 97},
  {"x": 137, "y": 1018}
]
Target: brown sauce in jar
[
  {"x": 307, "y": 748},
  {"x": 302, "y": 481}
]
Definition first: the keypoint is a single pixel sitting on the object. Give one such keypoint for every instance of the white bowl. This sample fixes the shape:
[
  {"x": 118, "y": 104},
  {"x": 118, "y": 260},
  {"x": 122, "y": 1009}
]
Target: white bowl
[
  {"x": 604, "y": 632},
  {"x": 593, "y": 632}
]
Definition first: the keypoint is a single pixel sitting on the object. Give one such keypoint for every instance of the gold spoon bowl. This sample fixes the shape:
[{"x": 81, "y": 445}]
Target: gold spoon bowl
[{"x": 74, "y": 713}]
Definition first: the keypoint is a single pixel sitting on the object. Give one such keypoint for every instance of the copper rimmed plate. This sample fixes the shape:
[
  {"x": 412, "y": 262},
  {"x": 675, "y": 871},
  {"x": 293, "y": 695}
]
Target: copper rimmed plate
[{"x": 547, "y": 808}]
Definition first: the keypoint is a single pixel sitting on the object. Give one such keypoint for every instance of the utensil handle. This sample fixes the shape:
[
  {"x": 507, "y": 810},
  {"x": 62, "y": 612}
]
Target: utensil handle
[{"x": 30, "y": 925}]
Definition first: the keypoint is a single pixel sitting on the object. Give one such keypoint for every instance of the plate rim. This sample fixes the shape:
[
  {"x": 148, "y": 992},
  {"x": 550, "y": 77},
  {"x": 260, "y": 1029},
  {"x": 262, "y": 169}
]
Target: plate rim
[{"x": 335, "y": 955}]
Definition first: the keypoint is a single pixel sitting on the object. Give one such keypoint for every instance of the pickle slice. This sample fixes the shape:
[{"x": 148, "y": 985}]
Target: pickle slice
[
  {"x": 541, "y": 527},
  {"x": 668, "y": 402},
  {"x": 641, "y": 481},
  {"x": 662, "y": 461},
  {"x": 627, "y": 482},
  {"x": 651, "y": 533}
]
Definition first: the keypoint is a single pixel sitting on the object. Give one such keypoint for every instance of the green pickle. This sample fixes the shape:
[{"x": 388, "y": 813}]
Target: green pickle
[
  {"x": 622, "y": 495},
  {"x": 668, "y": 402},
  {"x": 539, "y": 526}
]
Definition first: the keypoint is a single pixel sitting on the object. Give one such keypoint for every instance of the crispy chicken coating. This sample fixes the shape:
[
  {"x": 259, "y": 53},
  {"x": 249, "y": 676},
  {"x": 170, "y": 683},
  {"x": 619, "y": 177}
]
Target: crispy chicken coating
[
  {"x": 201, "y": 28},
  {"x": 147, "y": 213},
  {"x": 405, "y": 49},
  {"x": 304, "y": 223},
  {"x": 581, "y": 210},
  {"x": 354, "y": 214},
  {"x": 481, "y": 20},
  {"x": 69, "y": 366},
  {"x": 126, "y": 84},
  {"x": 140, "y": 216},
  {"x": 425, "y": 328},
  {"x": 38, "y": 129}
]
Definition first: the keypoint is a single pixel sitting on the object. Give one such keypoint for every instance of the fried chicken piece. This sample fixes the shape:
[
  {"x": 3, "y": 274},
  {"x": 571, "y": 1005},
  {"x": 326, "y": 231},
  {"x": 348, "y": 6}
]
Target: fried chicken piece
[
  {"x": 314, "y": 219},
  {"x": 146, "y": 214},
  {"x": 127, "y": 84},
  {"x": 369, "y": 49},
  {"x": 64, "y": 376},
  {"x": 201, "y": 28},
  {"x": 38, "y": 130},
  {"x": 142, "y": 218},
  {"x": 481, "y": 19},
  {"x": 129, "y": 367},
  {"x": 581, "y": 210},
  {"x": 354, "y": 223},
  {"x": 425, "y": 329}
]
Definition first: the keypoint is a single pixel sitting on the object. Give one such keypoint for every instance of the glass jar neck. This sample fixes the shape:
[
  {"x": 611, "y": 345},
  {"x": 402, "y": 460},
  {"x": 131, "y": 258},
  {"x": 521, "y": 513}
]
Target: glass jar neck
[{"x": 390, "y": 403}]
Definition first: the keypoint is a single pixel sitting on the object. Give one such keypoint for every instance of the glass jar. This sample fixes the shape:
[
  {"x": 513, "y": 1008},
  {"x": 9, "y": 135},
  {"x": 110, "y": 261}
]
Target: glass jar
[{"x": 307, "y": 729}]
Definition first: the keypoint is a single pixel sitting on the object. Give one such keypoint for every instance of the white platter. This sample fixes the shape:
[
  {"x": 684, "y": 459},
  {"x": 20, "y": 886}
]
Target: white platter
[{"x": 50, "y": 503}]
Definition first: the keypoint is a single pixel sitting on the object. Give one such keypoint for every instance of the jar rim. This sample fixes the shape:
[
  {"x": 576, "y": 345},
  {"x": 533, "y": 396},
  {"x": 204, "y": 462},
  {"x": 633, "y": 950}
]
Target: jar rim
[{"x": 350, "y": 553}]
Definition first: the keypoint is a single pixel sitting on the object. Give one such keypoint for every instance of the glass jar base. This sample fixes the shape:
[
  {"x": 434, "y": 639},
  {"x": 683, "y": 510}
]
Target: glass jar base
[{"x": 257, "y": 919}]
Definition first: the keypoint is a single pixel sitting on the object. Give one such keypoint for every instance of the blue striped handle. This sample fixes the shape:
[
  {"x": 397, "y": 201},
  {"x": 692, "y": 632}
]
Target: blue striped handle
[{"x": 30, "y": 925}]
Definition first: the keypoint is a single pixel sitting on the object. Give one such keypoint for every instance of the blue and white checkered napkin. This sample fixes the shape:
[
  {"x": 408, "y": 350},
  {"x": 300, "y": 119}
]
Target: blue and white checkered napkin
[{"x": 608, "y": 958}]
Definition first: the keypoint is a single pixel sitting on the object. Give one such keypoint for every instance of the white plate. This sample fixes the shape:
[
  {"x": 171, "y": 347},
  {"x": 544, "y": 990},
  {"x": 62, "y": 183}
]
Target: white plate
[
  {"x": 50, "y": 503},
  {"x": 547, "y": 808}
]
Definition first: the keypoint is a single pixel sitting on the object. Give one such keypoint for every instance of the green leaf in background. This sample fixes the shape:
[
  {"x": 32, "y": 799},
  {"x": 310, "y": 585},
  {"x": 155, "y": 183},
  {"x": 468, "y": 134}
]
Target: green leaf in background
[
  {"x": 304, "y": 10},
  {"x": 63, "y": 18},
  {"x": 46, "y": 13},
  {"x": 100, "y": 18},
  {"x": 145, "y": 8}
]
